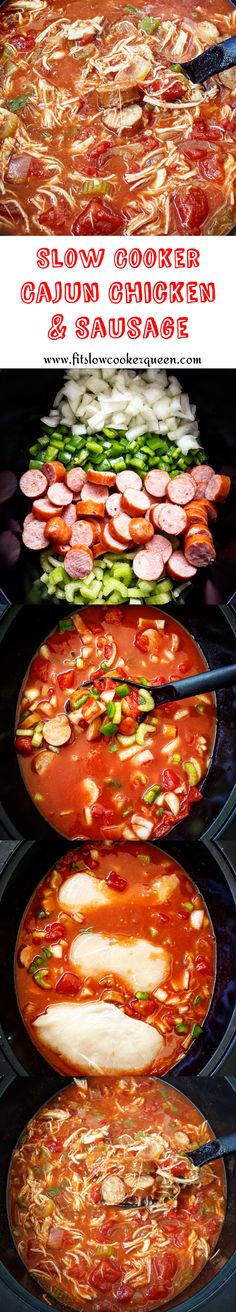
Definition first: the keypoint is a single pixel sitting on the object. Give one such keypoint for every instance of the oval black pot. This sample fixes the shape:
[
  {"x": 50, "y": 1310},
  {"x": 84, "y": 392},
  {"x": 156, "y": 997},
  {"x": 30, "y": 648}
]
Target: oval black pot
[
  {"x": 22, "y": 629},
  {"x": 21, "y": 1099},
  {"x": 215, "y": 879}
]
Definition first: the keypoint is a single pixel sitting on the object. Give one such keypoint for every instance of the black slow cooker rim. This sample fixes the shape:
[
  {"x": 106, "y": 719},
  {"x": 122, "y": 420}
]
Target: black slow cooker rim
[
  {"x": 193, "y": 1302},
  {"x": 7, "y": 618},
  {"x": 226, "y": 1043}
]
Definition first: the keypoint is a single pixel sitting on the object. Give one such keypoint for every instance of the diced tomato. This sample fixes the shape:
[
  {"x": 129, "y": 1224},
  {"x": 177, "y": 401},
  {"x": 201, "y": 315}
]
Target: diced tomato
[
  {"x": 95, "y": 159},
  {"x": 170, "y": 779},
  {"x": 192, "y": 209},
  {"x": 115, "y": 881},
  {"x": 55, "y": 217},
  {"x": 99, "y": 218},
  {"x": 36, "y": 169},
  {"x": 130, "y": 704},
  {"x": 195, "y": 151},
  {"x": 148, "y": 640},
  {"x": 174, "y": 92},
  {"x": 78, "y": 1269},
  {"x": 184, "y": 668},
  {"x": 9, "y": 210},
  {"x": 60, "y": 640},
  {"x": 26, "y": 42},
  {"x": 125, "y": 1293},
  {"x": 163, "y": 1270},
  {"x": 23, "y": 745},
  {"x": 40, "y": 670},
  {"x": 202, "y": 965},
  {"x": 66, "y": 678},
  {"x": 53, "y": 932},
  {"x": 211, "y": 167},
  {"x": 127, "y": 725},
  {"x": 105, "y": 1273},
  {"x": 67, "y": 984},
  {"x": 210, "y": 130}
]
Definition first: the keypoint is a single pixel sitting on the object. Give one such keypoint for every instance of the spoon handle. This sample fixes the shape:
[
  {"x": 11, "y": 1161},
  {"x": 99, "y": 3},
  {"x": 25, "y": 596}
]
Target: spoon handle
[
  {"x": 209, "y": 681},
  {"x": 208, "y": 1152},
  {"x": 210, "y": 61}
]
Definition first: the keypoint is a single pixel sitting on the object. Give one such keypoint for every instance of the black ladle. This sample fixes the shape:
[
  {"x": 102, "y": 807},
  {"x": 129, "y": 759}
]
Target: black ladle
[
  {"x": 174, "y": 692},
  {"x": 211, "y": 61},
  {"x": 208, "y": 1152}
]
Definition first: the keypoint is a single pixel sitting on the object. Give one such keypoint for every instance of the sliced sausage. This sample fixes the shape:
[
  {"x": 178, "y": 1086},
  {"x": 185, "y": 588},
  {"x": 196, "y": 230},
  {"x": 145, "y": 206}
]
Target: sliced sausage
[
  {"x": 99, "y": 492},
  {"x": 113, "y": 504},
  {"x": 218, "y": 487},
  {"x": 82, "y": 534},
  {"x": 57, "y": 731},
  {"x": 128, "y": 478},
  {"x": 154, "y": 517},
  {"x": 69, "y": 514},
  {"x": 201, "y": 475},
  {"x": 33, "y": 483},
  {"x": 181, "y": 489},
  {"x": 178, "y": 567},
  {"x": 120, "y": 527},
  {"x": 43, "y": 509},
  {"x": 148, "y": 565},
  {"x": 113, "y": 1189},
  {"x": 102, "y": 480},
  {"x": 54, "y": 471},
  {"x": 57, "y": 531},
  {"x": 172, "y": 519},
  {"x": 141, "y": 531},
  {"x": 59, "y": 494},
  {"x": 75, "y": 479},
  {"x": 122, "y": 120},
  {"x": 199, "y": 547},
  {"x": 211, "y": 511},
  {"x": 197, "y": 512},
  {"x": 110, "y": 543},
  {"x": 136, "y": 503},
  {"x": 156, "y": 483},
  {"x": 159, "y": 543},
  {"x": 90, "y": 508},
  {"x": 79, "y": 562}
]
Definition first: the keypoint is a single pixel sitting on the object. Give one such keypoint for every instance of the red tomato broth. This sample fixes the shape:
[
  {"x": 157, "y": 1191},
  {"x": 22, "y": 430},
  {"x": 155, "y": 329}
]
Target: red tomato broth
[
  {"x": 89, "y": 787},
  {"x": 55, "y": 104},
  {"x": 55, "y": 1180},
  {"x": 191, "y": 951}
]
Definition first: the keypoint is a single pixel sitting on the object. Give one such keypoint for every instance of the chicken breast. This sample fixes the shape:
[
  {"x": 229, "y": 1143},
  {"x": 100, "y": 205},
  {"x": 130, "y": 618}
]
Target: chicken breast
[
  {"x": 82, "y": 891},
  {"x": 140, "y": 964},
  {"x": 96, "y": 1038}
]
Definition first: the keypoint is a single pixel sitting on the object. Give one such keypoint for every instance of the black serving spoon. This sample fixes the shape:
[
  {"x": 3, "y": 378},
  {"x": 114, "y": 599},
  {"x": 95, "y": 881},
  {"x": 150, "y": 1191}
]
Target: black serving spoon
[
  {"x": 208, "y": 1152},
  {"x": 174, "y": 692},
  {"x": 211, "y": 61}
]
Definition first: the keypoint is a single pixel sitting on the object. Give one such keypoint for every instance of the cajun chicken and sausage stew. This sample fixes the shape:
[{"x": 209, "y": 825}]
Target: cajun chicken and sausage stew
[
  {"x": 91, "y": 767},
  {"x": 115, "y": 961},
  {"x": 89, "y": 1149},
  {"x": 102, "y": 132}
]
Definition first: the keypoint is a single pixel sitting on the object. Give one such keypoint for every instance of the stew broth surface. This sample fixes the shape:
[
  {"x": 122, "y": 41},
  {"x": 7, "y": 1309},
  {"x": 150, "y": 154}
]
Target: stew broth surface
[
  {"x": 76, "y": 1247},
  {"x": 149, "y": 902},
  {"x": 90, "y": 773}
]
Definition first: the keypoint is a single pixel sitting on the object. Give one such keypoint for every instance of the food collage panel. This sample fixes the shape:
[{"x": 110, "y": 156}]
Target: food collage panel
[{"x": 118, "y": 673}]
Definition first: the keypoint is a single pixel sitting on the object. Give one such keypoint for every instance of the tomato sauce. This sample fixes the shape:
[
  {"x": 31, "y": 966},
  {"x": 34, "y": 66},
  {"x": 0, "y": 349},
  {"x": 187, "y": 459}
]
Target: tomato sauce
[
  {"x": 75, "y": 1246},
  {"x": 90, "y": 767},
  {"x": 149, "y": 902},
  {"x": 102, "y": 132}
]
